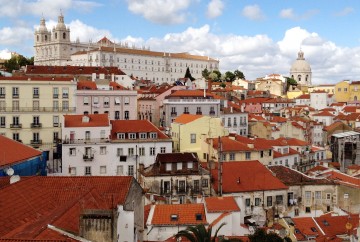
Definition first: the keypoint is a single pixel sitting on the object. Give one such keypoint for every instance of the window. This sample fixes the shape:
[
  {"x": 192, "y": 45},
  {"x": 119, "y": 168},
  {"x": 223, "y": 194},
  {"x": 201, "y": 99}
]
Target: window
[
  {"x": 205, "y": 183},
  {"x": 307, "y": 195},
  {"x": 270, "y": 152},
  {"x": 106, "y": 101},
  {"x": 55, "y": 137},
  {"x": 168, "y": 166},
  {"x": 307, "y": 210},
  {"x": 36, "y": 120},
  {"x": 16, "y": 136},
  {"x": 190, "y": 165},
  {"x": 55, "y": 92},
  {"x": 345, "y": 89},
  {"x": 102, "y": 134},
  {"x": 102, "y": 169},
  {"x": 193, "y": 138},
  {"x": 153, "y": 135},
  {"x": 36, "y": 92},
  {"x": 117, "y": 101},
  {"x": 247, "y": 155},
  {"x": 126, "y": 115},
  {"x": 232, "y": 156},
  {"x": 130, "y": 170},
  {"x": 117, "y": 115},
  {"x": 318, "y": 195},
  {"x": 121, "y": 135},
  {"x": 15, "y": 92},
  {"x": 36, "y": 137},
  {"x": 173, "y": 110},
  {"x": 119, "y": 151},
  {"x": 152, "y": 151},
  {"x": 55, "y": 106},
  {"x": 36, "y": 105},
  {"x": 328, "y": 196},
  {"x": 261, "y": 153},
  {"x": 102, "y": 150},
  {"x": 65, "y": 105},
  {"x": 87, "y": 170},
  {"x": 142, "y": 135},
  {"x": 2, "y": 106},
  {"x": 279, "y": 199},
  {"x": 132, "y": 135},
  {"x": 257, "y": 201},
  {"x": 126, "y": 100},
  {"x": 247, "y": 202},
  {"x": 296, "y": 212},
  {"x": 87, "y": 135},
  {"x": 96, "y": 100},
  {"x": 130, "y": 151},
  {"x": 269, "y": 201},
  {"x": 119, "y": 170},
  {"x": 16, "y": 121},
  {"x": 86, "y": 101},
  {"x": 15, "y": 106},
  {"x": 163, "y": 150},
  {"x": 2, "y": 122},
  {"x": 65, "y": 92},
  {"x": 198, "y": 110},
  {"x": 56, "y": 121},
  {"x": 179, "y": 166},
  {"x": 186, "y": 109},
  {"x": 141, "y": 151},
  {"x": 73, "y": 171},
  {"x": 72, "y": 151},
  {"x": 2, "y": 92}
]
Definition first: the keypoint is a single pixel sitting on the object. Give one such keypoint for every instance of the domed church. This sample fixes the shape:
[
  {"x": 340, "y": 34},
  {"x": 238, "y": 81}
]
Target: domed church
[{"x": 301, "y": 70}]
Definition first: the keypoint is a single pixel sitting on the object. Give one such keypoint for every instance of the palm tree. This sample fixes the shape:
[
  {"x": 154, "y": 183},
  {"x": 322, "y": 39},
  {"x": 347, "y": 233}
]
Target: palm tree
[{"x": 200, "y": 233}]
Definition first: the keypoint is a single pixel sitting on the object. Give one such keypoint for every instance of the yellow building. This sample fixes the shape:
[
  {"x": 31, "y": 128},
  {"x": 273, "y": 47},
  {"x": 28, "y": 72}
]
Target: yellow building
[
  {"x": 342, "y": 91},
  {"x": 189, "y": 131},
  {"x": 323, "y": 87},
  {"x": 31, "y": 108},
  {"x": 274, "y": 86},
  {"x": 354, "y": 91}
]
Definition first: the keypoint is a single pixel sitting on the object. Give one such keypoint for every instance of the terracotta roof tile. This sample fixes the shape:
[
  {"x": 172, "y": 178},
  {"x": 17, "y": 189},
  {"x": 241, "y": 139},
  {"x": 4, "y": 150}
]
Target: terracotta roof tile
[
  {"x": 324, "y": 113},
  {"x": 14, "y": 151},
  {"x": 187, "y": 118},
  {"x": 221, "y": 204},
  {"x": 343, "y": 178},
  {"x": 336, "y": 225},
  {"x": 185, "y": 214},
  {"x": 86, "y": 85},
  {"x": 135, "y": 126},
  {"x": 305, "y": 227},
  {"x": 90, "y": 120},
  {"x": 246, "y": 176}
]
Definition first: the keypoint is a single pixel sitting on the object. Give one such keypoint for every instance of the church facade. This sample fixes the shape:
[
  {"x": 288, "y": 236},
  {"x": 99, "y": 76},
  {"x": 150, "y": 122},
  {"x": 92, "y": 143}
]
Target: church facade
[{"x": 54, "y": 47}]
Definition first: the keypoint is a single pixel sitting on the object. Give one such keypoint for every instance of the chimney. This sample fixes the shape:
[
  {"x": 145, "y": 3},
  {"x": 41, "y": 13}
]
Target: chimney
[
  {"x": 209, "y": 85},
  {"x": 231, "y": 109}
]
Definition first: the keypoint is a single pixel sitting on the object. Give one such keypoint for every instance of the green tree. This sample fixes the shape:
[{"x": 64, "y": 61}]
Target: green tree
[
  {"x": 238, "y": 74},
  {"x": 188, "y": 74},
  {"x": 213, "y": 76},
  {"x": 205, "y": 73},
  {"x": 229, "y": 76},
  {"x": 200, "y": 233},
  {"x": 17, "y": 61},
  {"x": 261, "y": 236},
  {"x": 290, "y": 82}
]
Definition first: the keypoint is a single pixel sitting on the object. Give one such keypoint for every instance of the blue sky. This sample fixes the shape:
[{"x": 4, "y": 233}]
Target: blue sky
[{"x": 257, "y": 37}]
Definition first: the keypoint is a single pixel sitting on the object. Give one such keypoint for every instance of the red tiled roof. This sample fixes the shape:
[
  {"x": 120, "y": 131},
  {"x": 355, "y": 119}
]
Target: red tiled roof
[
  {"x": 354, "y": 167},
  {"x": 291, "y": 152},
  {"x": 350, "y": 109},
  {"x": 221, "y": 204},
  {"x": 187, "y": 118},
  {"x": 304, "y": 96},
  {"x": 116, "y": 86},
  {"x": 95, "y": 120},
  {"x": 230, "y": 144},
  {"x": 134, "y": 126},
  {"x": 86, "y": 85},
  {"x": 304, "y": 227},
  {"x": 29, "y": 205},
  {"x": 246, "y": 176},
  {"x": 189, "y": 93},
  {"x": 324, "y": 113},
  {"x": 343, "y": 178},
  {"x": 333, "y": 125},
  {"x": 336, "y": 225},
  {"x": 26, "y": 78},
  {"x": 185, "y": 213},
  {"x": 13, "y": 152},
  {"x": 71, "y": 70}
]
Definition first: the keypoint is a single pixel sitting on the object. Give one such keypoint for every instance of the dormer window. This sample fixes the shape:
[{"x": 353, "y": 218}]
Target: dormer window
[
  {"x": 168, "y": 166},
  {"x": 85, "y": 119},
  {"x": 153, "y": 135},
  {"x": 142, "y": 135},
  {"x": 190, "y": 165},
  {"x": 174, "y": 217},
  {"x": 179, "y": 166},
  {"x": 132, "y": 135},
  {"x": 120, "y": 135}
]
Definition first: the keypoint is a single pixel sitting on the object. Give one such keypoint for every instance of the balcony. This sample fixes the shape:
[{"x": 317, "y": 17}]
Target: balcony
[
  {"x": 185, "y": 112},
  {"x": 36, "y": 142},
  {"x": 36, "y": 95},
  {"x": 36, "y": 125},
  {"x": 65, "y": 95},
  {"x": 15, "y": 95},
  {"x": 2, "y": 95},
  {"x": 15, "y": 126},
  {"x": 173, "y": 113},
  {"x": 88, "y": 157},
  {"x": 86, "y": 141},
  {"x": 165, "y": 191},
  {"x": 212, "y": 113},
  {"x": 55, "y": 96}
]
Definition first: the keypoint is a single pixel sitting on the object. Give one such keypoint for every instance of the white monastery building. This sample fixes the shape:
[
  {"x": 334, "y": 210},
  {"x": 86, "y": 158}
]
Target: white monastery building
[{"x": 55, "y": 48}]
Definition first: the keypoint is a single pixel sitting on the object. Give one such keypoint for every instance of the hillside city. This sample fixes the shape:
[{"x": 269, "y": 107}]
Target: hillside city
[{"x": 103, "y": 141}]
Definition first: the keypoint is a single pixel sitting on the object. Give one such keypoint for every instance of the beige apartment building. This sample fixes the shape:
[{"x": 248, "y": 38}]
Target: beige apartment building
[{"x": 31, "y": 109}]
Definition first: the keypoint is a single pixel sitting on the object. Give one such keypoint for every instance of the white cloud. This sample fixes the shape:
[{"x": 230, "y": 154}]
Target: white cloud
[
  {"x": 86, "y": 32},
  {"x": 5, "y": 54},
  {"x": 47, "y": 8},
  {"x": 289, "y": 13},
  {"x": 253, "y": 12},
  {"x": 345, "y": 11},
  {"x": 173, "y": 10},
  {"x": 215, "y": 8},
  {"x": 15, "y": 35}
]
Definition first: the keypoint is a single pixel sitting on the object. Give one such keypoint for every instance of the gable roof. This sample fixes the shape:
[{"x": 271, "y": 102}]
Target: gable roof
[
  {"x": 305, "y": 227},
  {"x": 187, "y": 118},
  {"x": 324, "y": 114},
  {"x": 343, "y": 178},
  {"x": 186, "y": 214},
  {"x": 246, "y": 176},
  {"x": 135, "y": 126},
  {"x": 94, "y": 120},
  {"x": 336, "y": 225},
  {"x": 221, "y": 204},
  {"x": 14, "y": 151},
  {"x": 29, "y": 205}
]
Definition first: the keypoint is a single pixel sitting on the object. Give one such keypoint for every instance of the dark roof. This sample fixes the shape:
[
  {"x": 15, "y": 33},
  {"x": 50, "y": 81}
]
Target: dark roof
[{"x": 177, "y": 157}]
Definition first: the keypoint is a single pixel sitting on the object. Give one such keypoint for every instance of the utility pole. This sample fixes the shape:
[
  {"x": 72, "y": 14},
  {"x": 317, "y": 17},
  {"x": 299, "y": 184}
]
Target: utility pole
[{"x": 220, "y": 167}]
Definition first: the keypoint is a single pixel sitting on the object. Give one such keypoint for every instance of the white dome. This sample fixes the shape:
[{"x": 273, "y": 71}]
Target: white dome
[{"x": 300, "y": 65}]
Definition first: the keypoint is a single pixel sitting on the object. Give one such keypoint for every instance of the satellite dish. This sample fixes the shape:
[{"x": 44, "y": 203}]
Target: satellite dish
[
  {"x": 14, "y": 179},
  {"x": 10, "y": 171}
]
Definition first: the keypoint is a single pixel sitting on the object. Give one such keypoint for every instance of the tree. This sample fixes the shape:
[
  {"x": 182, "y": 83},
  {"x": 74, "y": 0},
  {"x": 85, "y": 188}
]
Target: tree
[
  {"x": 229, "y": 76},
  {"x": 205, "y": 73},
  {"x": 238, "y": 74},
  {"x": 261, "y": 236},
  {"x": 200, "y": 233},
  {"x": 188, "y": 74},
  {"x": 213, "y": 76},
  {"x": 17, "y": 61},
  {"x": 290, "y": 82}
]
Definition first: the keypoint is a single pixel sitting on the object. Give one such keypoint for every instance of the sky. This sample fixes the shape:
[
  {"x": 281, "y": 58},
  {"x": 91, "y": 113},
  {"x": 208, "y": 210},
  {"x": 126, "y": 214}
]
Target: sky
[{"x": 256, "y": 37}]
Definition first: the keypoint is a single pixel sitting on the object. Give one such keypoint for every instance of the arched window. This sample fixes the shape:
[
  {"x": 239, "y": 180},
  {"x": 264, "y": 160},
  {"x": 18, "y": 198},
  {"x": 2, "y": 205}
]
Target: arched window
[
  {"x": 299, "y": 78},
  {"x": 96, "y": 100},
  {"x": 55, "y": 35},
  {"x": 45, "y": 37},
  {"x": 106, "y": 101},
  {"x": 86, "y": 101},
  {"x": 355, "y": 98},
  {"x": 306, "y": 78},
  {"x": 64, "y": 35}
]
